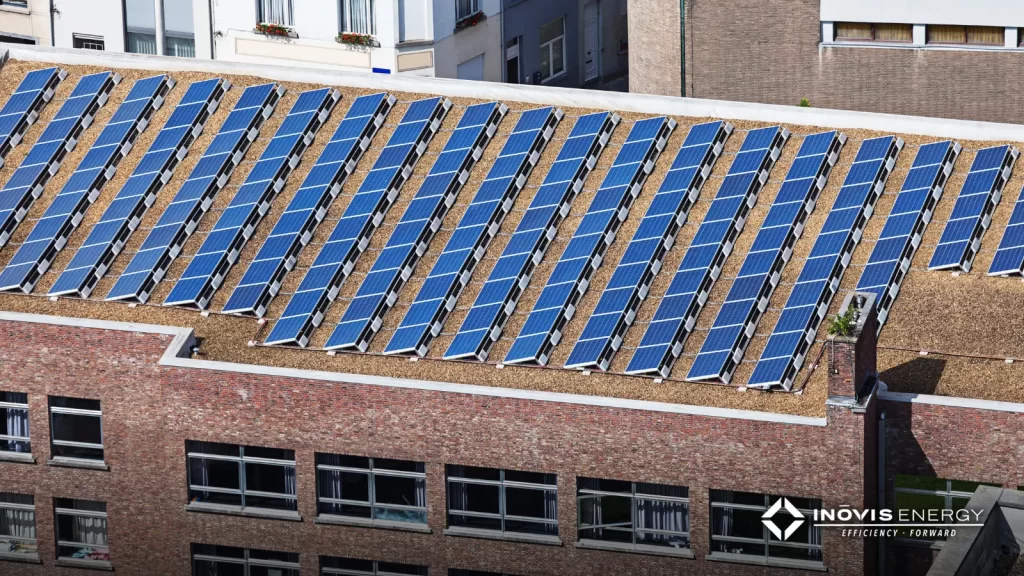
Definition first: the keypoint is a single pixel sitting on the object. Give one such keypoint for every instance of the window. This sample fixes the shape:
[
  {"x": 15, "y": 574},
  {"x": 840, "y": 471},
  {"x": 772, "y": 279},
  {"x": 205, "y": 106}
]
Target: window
[
  {"x": 274, "y": 12},
  {"x": 922, "y": 493},
  {"x": 466, "y": 8},
  {"x": 76, "y": 427},
  {"x": 179, "y": 29},
  {"x": 737, "y": 530},
  {"x": 357, "y": 16},
  {"x": 552, "y": 49},
  {"x": 241, "y": 476},
  {"x": 372, "y": 488},
  {"x": 16, "y": 39},
  {"x": 502, "y": 500},
  {"x": 867, "y": 32},
  {"x": 15, "y": 3},
  {"x": 140, "y": 23},
  {"x": 635, "y": 514},
  {"x": 352, "y": 567},
  {"x": 212, "y": 560},
  {"x": 86, "y": 42},
  {"x": 14, "y": 423},
  {"x": 81, "y": 530},
  {"x": 17, "y": 525},
  {"x": 980, "y": 35}
]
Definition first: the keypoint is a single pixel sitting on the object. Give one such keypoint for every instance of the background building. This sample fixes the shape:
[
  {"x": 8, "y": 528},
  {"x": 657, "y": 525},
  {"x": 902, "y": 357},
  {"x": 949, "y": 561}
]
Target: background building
[{"x": 25, "y": 22}]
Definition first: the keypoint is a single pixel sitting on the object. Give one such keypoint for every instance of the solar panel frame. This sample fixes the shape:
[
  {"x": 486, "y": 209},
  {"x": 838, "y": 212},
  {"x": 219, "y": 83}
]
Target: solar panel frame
[
  {"x": 191, "y": 202},
  {"x": 487, "y": 222},
  {"x": 99, "y": 165},
  {"x": 1009, "y": 256},
  {"x": 34, "y": 92}
]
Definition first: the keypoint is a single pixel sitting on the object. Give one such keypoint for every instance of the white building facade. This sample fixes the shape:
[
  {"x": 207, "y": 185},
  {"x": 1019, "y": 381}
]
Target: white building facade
[{"x": 25, "y": 22}]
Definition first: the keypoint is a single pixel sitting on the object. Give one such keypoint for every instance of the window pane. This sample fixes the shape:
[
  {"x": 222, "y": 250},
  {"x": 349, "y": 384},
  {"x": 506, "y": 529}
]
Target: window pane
[
  {"x": 605, "y": 485},
  {"x": 989, "y": 35},
  {"x": 946, "y": 34},
  {"x": 216, "y": 474},
  {"x": 76, "y": 403},
  {"x": 661, "y": 516},
  {"x": 275, "y": 12},
  {"x": 474, "y": 472},
  {"x": 557, "y": 57},
  {"x": 14, "y": 422},
  {"x": 269, "y": 453},
  {"x": 737, "y": 523},
  {"x": 530, "y": 477},
  {"x": 17, "y": 526},
  {"x": 395, "y": 568},
  {"x": 272, "y": 479},
  {"x": 179, "y": 29},
  {"x": 210, "y": 568},
  {"x": 810, "y": 554},
  {"x": 550, "y": 31},
  {"x": 76, "y": 428},
  {"x": 264, "y": 571},
  {"x": 525, "y": 502},
  {"x": 920, "y": 483},
  {"x": 853, "y": 31},
  {"x": 474, "y": 522},
  {"x": 662, "y": 490},
  {"x": 612, "y": 512},
  {"x": 894, "y": 32},
  {"x": 14, "y": 397},
  {"x": 745, "y": 498},
  {"x": 214, "y": 448},
  {"x": 400, "y": 465},
  {"x": 473, "y": 497}
]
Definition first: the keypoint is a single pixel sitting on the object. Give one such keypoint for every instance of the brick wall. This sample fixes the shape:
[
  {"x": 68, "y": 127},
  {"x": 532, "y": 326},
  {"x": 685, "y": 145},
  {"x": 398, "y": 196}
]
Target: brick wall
[{"x": 769, "y": 52}]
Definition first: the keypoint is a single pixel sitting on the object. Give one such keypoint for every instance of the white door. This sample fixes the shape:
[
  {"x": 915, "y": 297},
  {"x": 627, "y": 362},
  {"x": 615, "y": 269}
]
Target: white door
[{"x": 591, "y": 50}]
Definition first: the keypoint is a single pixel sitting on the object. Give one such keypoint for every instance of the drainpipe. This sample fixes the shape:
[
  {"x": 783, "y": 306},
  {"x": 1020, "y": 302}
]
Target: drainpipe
[
  {"x": 503, "y": 52},
  {"x": 53, "y": 37},
  {"x": 158, "y": 6},
  {"x": 881, "y": 486},
  {"x": 682, "y": 48}
]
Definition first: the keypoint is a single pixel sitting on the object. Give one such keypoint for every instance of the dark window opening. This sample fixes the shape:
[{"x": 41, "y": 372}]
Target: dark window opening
[
  {"x": 81, "y": 529},
  {"x": 634, "y": 513},
  {"x": 76, "y": 428},
  {"x": 372, "y": 488},
  {"x": 353, "y": 567},
  {"x": 213, "y": 560},
  {"x": 14, "y": 433},
  {"x": 241, "y": 476},
  {"x": 502, "y": 500},
  {"x": 86, "y": 42},
  {"x": 18, "y": 524},
  {"x": 870, "y": 32},
  {"x": 737, "y": 527}
]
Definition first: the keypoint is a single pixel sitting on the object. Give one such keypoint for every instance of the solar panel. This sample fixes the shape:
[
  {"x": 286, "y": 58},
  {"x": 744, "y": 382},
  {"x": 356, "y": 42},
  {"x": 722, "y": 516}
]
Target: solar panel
[
  {"x": 22, "y": 108},
  {"x": 642, "y": 260},
  {"x": 585, "y": 251},
  {"x": 57, "y": 140},
  {"x": 794, "y": 332},
  {"x": 539, "y": 224},
  {"x": 211, "y": 173},
  {"x": 219, "y": 251},
  {"x": 762, "y": 267},
  {"x": 703, "y": 260},
  {"x": 1009, "y": 257},
  {"x": 411, "y": 236},
  {"x": 972, "y": 212},
  {"x": 478, "y": 226},
  {"x": 323, "y": 183},
  {"x": 60, "y": 219},
  {"x": 122, "y": 216},
  {"x": 362, "y": 216},
  {"x": 910, "y": 214}
]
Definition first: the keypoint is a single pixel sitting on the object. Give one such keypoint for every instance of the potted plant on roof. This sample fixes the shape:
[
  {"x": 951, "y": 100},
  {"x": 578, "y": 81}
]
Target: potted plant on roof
[
  {"x": 471, "y": 20},
  {"x": 269, "y": 29},
  {"x": 357, "y": 39}
]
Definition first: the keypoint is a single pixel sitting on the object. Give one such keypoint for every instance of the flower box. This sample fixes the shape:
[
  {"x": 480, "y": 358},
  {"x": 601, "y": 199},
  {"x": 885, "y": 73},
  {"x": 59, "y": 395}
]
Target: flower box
[
  {"x": 471, "y": 20},
  {"x": 356, "y": 39},
  {"x": 275, "y": 30}
]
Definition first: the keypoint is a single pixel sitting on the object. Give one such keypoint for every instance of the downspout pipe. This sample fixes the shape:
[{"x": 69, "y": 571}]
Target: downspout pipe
[{"x": 682, "y": 48}]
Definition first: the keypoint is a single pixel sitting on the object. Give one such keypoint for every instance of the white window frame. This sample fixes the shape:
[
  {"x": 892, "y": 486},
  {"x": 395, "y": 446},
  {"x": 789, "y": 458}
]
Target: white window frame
[
  {"x": 372, "y": 472},
  {"x": 289, "y": 12},
  {"x": 345, "y": 11},
  {"x": 76, "y": 513},
  {"x": 634, "y": 498},
  {"x": 7, "y": 538},
  {"x": 246, "y": 562},
  {"x": 89, "y": 42},
  {"x": 549, "y": 48},
  {"x": 502, "y": 514},
  {"x": 4, "y": 408},
  {"x": 241, "y": 460},
  {"x": 767, "y": 539},
  {"x": 461, "y": 7},
  {"x": 98, "y": 414}
]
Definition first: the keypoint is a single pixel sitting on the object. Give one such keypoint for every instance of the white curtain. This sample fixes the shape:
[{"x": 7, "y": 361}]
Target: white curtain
[
  {"x": 661, "y": 515},
  {"x": 180, "y": 47},
  {"x": 17, "y": 425},
  {"x": 725, "y": 520},
  {"x": 276, "y": 12},
  {"x": 142, "y": 43},
  {"x": 290, "y": 487},
  {"x": 814, "y": 538},
  {"x": 18, "y": 523},
  {"x": 358, "y": 16},
  {"x": 551, "y": 511}
]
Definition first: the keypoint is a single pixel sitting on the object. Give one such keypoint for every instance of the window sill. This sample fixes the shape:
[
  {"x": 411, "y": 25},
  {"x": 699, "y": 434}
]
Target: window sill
[
  {"x": 238, "y": 511},
  {"x": 912, "y": 46},
  {"x": 637, "y": 549},
  {"x": 760, "y": 561},
  {"x": 367, "y": 523},
  {"x": 78, "y": 463},
  {"x": 25, "y": 457},
  {"x": 915, "y": 543},
  {"x": 27, "y": 558},
  {"x": 413, "y": 43},
  {"x": 507, "y": 536},
  {"x": 551, "y": 79},
  {"x": 87, "y": 564}
]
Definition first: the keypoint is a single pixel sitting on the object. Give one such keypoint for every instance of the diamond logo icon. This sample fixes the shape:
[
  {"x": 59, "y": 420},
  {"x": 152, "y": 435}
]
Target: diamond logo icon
[{"x": 798, "y": 518}]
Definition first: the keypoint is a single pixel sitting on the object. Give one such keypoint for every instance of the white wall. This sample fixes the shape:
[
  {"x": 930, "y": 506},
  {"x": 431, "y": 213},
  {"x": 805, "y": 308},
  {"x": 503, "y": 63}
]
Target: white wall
[
  {"x": 33, "y": 22},
  {"x": 1002, "y": 13},
  {"x": 94, "y": 17}
]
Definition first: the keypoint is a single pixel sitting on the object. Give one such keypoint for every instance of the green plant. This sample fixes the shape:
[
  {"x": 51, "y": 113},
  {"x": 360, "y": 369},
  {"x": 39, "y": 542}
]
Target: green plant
[
  {"x": 843, "y": 324},
  {"x": 805, "y": 103},
  {"x": 356, "y": 38},
  {"x": 272, "y": 29}
]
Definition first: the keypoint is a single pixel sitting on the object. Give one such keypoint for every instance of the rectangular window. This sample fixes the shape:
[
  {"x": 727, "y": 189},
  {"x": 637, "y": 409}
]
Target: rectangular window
[
  {"x": 737, "y": 529},
  {"x": 179, "y": 29},
  {"x": 87, "y": 42},
  {"x": 76, "y": 428},
  {"x": 976, "y": 35},
  {"x": 552, "y": 49},
  {"x": 274, "y": 12},
  {"x": 376, "y": 489},
  {"x": 868, "y": 32},
  {"x": 634, "y": 514},
  {"x": 14, "y": 423},
  {"x": 502, "y": 500},
  {"x": 353, "y": 567},
  {"x": 15, "y": 3},
  {"x": 918, "y": 494},
  {"x": 357, "y": 16},
  {"x": 213, "y": 560},
  {"x": 241, "y": 476},
  {"x": 17, "y": 525},
  {"x": 81, "y": 530},
  {"x": 466, "y": 8},
  {"x": 140, "y": 24}
]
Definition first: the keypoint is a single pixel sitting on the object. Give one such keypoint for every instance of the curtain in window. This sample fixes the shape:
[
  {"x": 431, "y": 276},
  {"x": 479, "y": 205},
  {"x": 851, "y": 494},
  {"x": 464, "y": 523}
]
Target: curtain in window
[
  {"x": 180, "y": 47},
  {"x": 330, "y": 483},
  {"x": 814, "y": 538},
  {"x": 551, "y": 511},
  {"x": 17, "y": 425},
  {"x": 276, "y": 12},
  {"x": 986, "y": 35},
  {"x": 289, "y": 485},
  {"x": 464, "y": 8},
  {"x": 853, "y": 31},
  {"x": 661, "y": 515},
  {"x": 18, "y": 523},
  {"x": 725, "y": 521},
  {"x": 358, "y": 16},
  {"x": 421, "y": 493},
  {"x": 947, "y": 34},
  {"x": 894, "y": 32},
  {"x": 142, "y": 43}
]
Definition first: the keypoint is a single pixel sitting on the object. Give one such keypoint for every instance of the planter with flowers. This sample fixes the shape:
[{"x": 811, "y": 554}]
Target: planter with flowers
[
  {"x": 471, "y": 20},
  {"x": 275, "y": 30},
  {"x": 357, "y": 39}
]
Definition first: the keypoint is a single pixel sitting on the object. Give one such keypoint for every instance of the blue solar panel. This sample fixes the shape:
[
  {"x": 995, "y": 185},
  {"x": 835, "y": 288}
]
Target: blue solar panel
[
  {"x": 910, "y": 214},
  {"x": 61, "y": 218},
  {"x": 208, "y": 267},
  {"x": 762, "y": 267},
  {"x": 511, "y": 273},
  {"x": 1009, "y": 257},
  {"x": 46, "y": 155},
  {"x": 308, "y": 207},
  {"x": 364, "y": 213},
  {"x": 972, "y": 212},
  {"x": 678, "y": 310},
  {"x": 148, "y": 266},
  {"x": 585, "y": 250},
  {"x": 640, "y": 263},
  {"x": 474, "y": 232},
  {"x": 414, "y": 230},
  {"x": 22, "y": 109}
]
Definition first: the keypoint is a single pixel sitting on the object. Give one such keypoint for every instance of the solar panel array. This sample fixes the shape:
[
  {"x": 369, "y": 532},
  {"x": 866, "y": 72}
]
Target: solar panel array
[
  {"x": 60, "y": 219},
  {"x": 890, "y": 259},
  {"x": 323, "y": 183},
  {"x": 478, "y": 226},
  {"x": 411, "y": 236},
  {"x": 362, "y": 216},
  {"x": 703, "y": 260},
  {"x": 972, "y": 212},
  {"x": 752, "y": 289},
  {"x": 57, "y": 140},
  {"x": 154, "y": 170},
  {"x": 642, "y": 260},
  {"x": 585, "y": 251},
  {"x": 511, "y": 274},
  {"x": 22, "y": 108},
  {"x": 219, "y": 251},
  {"x": 1009, "y": 257},
  {"x": 824, "y": 267},
  {"x": 211, "y": 173}
]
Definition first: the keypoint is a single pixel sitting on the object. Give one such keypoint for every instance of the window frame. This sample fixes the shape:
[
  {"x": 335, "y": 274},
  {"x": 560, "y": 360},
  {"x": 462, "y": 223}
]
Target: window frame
[
  {"x": 7, "y": 538},
  {"x": 331, "y": 571},
  {"x": 76, "y": 513},
  {"x": 5, "y": 407},
  {"x": 767, "y": 538},
  {"x": 246, "y": 561},
  {"x": 289, "y": 13},
  {"x": 474, "y": 7},
  {"x": 549, "y": 47},
  {"x": 81, "y": 412},
  {"x": 81, "y": 41},
  {"x": 634, "y": 499},
  {"x": 966, "y": 39},
  {"x": 502, "y": 516},
  {"x": 948, "y": 496},
  {"x": 371, "y": 473},
  {"x": 344, "y": 25},
  {"x": 874, "y": 34},
  {"x": 241, "y": 461}
]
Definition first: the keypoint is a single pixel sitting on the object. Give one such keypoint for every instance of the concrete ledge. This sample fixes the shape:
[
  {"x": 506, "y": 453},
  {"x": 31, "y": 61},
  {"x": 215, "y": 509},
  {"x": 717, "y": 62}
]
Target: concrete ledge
[
  {"x": 760, "y": 561},
  {"x": 239, "y": 511},
  {"x": 638, "y": 549},
  {"x": 26, "y": 458},
  {"x": 87, "y": 564},
  {"x": 26, "y": 558},
  {"x": 367, "y": 523},
  {"x": 79, "y": 463},
  {"x": 952, "y": 401},
  {"x": 507, "y": 536}
]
